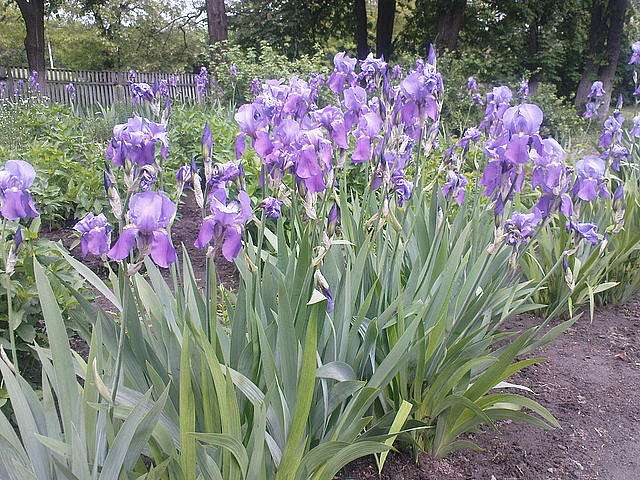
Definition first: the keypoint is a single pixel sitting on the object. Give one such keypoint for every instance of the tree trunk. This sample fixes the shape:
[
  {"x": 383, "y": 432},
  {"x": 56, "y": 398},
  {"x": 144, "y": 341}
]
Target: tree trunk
[
  {"x": 617, "y": 10},
  {"x": 33, "y": 14},
  {"x": 595, "y": 44},
  {"x": 450, "y": 22},
  {"x": 360, "y": 15},
  {"x": 217, "y": 23},
  {"x": 384, "y": 28},
  {"x": 533, "y": 50}
]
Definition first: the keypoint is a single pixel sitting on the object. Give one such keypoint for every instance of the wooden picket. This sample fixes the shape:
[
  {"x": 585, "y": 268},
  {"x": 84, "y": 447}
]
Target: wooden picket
[{"x": 94, "y": 88}]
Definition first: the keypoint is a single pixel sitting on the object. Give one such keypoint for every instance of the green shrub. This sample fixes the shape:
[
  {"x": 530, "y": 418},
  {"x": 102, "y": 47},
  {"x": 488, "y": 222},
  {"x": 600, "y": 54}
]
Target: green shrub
[{"x": 263, "y": 64}]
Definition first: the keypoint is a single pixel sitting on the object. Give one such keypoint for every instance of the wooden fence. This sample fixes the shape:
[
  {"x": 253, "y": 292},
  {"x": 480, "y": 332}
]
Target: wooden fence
[{"x": 94, "y": 88}]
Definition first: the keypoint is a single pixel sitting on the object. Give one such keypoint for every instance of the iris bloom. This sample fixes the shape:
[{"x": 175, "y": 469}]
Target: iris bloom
[
  {"x": 525, "y": 118},
  {"x": 611, "y": 130},
  {"x": 225, "y": 225},
  {"x": 590, "y": 183},
  {"x": 597, "y": 90},
  {"x": 70, "y": 88},
  {"x": 136, "y": 141},
  {"x": 272, "y": 207},
  {"x": 342, "y": 75},
  {"x": 150, "y": 214},
  {"x": 455, "y": 186},
  {"x": 521, "y": 227},
  {"x": 472, "y": 84},
  {"x": 635, "y": 55},
  {"x": 16, "y": 178},
  {"x": 202, "y": 82},
  {"x": 588, "y": 231},
  {"x": 635, "y": 130},
  {"x": 95, "y": 234},
  {"x": 141, "y": 92}
]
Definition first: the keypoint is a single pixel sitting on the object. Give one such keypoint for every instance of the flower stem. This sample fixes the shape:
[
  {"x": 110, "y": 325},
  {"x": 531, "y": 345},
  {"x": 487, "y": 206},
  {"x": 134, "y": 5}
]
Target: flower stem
[{"x": 7, "y": 285}]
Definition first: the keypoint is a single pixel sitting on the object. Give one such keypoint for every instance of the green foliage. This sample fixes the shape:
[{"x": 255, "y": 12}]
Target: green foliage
[
  {"x": 605, "y": 273},
  {"x": 26, "y": 314},
  {"x": 561, "y": 120},
  {"x": 295, "y": 28},
  {"x": 66, "y": 158},
  {"x": 262, "y": 62}
]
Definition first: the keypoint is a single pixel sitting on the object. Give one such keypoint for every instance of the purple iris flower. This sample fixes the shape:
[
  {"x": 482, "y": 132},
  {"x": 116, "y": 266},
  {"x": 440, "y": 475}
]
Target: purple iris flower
[
  {"x": 342, "y": 74},
  {"x": 618, "y": 194},
  {"x": 132, "y": 75},
  {"x": 233, "y": 71},
  {"x": 332, "y": 119},
  {"x": 202, "y": 82},
  {"x": 256, "y": 86},
  {"x": 207, "y": 142},
  {"x": 588, "y": 231},
  {"x": 272, "y": 207},
  {"x": 636, "y": 92},
  {"x": 525, "y": 118},
  {"x": 225, "y": 225},
  {"x": 136, "y": 141},
  {"x": 333, "y": 219},
  {"x": 34, "y": 83},
  {"x": 150, "y": 214},
  {"x": 15, "y": 179},
  {"x": 455, "y": 186},
  {"x": 19, "y": 88},
  {"x": 472, "y": 84},
  {"x": 549, "y": 170},
  {"x": 141, "y": 92},
  {"x": 597, "y": 90},
  {"x": 70, "y": 88},
  {"x": 308, "y": 169},
  {"x": 368, "y": 128},
  {"x": 523, "y": 91},
  {"x": 355, "y": 101},
  {"x": 590, "y": 110},
  {"x": 185, "y": 173},
  {"x": 371, "y": 69},
  {"x": 612, "y": 129},
  {"x": 419, "y": 91},
  {"x": 96, "y": 234},
  {"x": 223, "y": 173},
  {"x": 161, "y": 88},
  {"x": 498, "y": 101},
  {"x": 471, "y": 134},
  {"x": 147, "y": 177},
  {"x": 616, "y": 154},
  {"x": 431, "y": 55},
  {"x": 590, "y": 183},
  {"x": 635, "y": 130},
  {"x": 396, "y": 71},
  {"x": 521, "y": 227},
  {"x": 635, "y": 53},
  {"x": 250, "y": 118}
]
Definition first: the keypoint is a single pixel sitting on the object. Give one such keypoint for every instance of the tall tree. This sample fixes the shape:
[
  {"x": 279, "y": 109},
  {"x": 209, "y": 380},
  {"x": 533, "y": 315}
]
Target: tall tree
[
  {"x": 616, "y": 14},
  {"x": 216, "y": 21},
  {"x": 450, "y": 20},
  {"x": 384, "y": 28},
  {"x": 33, "y": 14},
  {"x": 360, "y": 16},
  {"x": 595, "y": 44}
]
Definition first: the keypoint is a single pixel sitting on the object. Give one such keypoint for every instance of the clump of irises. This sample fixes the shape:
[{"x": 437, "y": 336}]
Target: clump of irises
[{"x": 379, "y": 123}]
